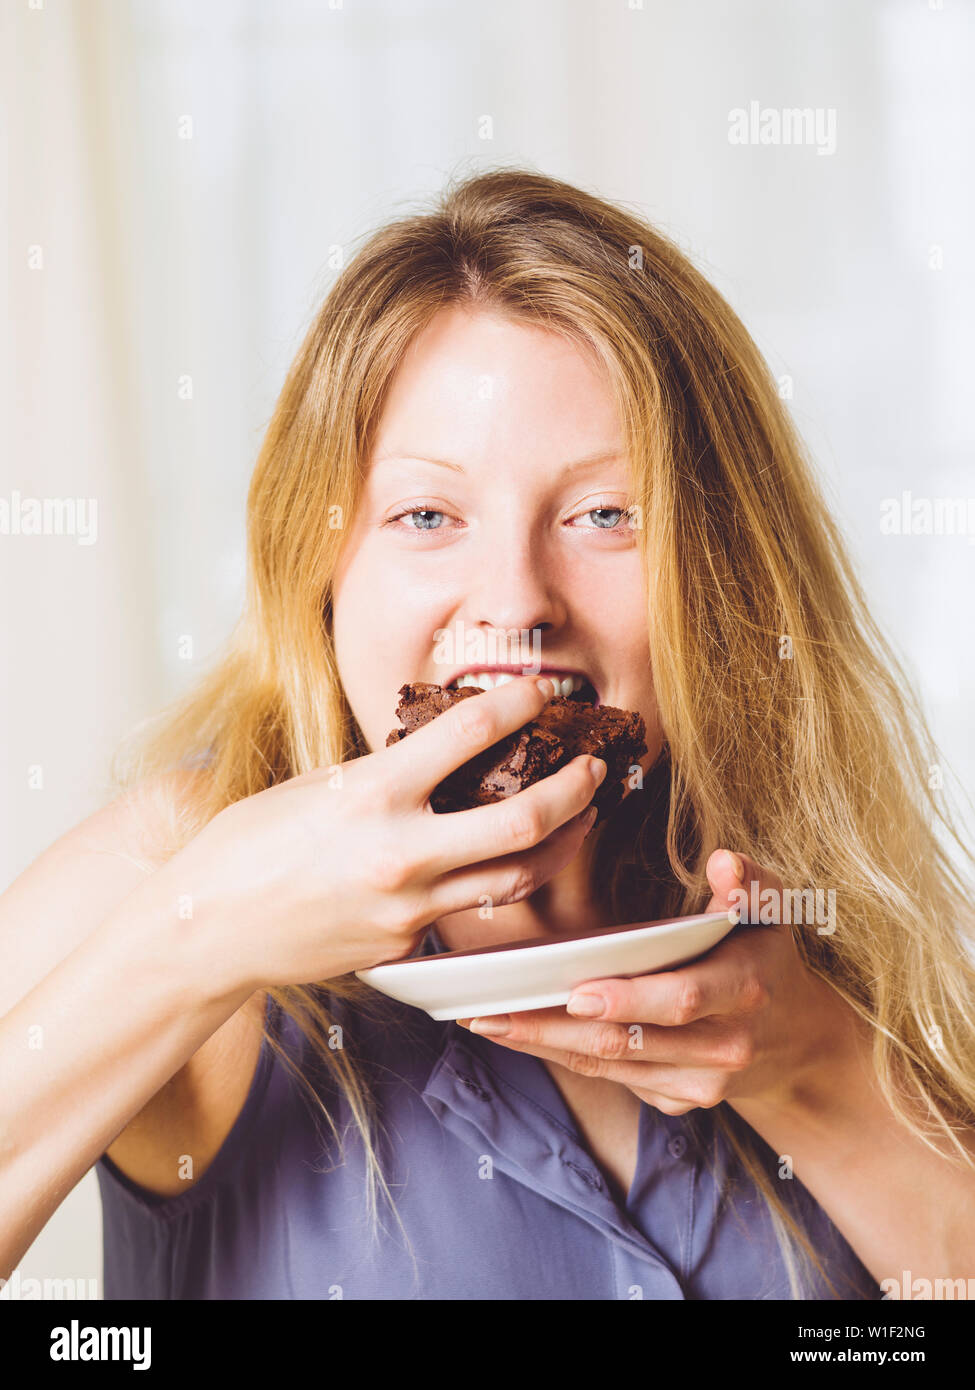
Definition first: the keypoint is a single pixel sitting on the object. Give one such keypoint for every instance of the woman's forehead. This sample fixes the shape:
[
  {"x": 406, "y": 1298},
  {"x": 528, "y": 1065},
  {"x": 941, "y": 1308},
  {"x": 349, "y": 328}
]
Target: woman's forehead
[
  {"x": 475, "y": 362},
  {"x": 473, "y": 393}
]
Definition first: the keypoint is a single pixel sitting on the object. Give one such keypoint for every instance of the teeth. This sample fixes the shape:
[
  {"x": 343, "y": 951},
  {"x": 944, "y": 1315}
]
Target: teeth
[
  {"x": 565, "y": 686},
  {"x": 488, "y": 680}
]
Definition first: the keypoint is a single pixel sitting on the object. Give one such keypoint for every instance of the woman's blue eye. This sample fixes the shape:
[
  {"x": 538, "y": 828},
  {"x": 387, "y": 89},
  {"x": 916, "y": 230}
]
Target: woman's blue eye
[
  {"x": 425, "y": 523},
  {"x": 607, "y": 518}
]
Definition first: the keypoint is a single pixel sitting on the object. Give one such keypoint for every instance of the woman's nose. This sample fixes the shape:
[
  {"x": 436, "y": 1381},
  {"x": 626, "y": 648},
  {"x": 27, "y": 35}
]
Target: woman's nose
[{"x": 516, "y": 589}]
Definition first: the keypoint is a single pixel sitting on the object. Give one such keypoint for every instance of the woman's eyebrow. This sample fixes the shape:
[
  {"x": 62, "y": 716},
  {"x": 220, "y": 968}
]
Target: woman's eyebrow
[
  {"x": 590, "y": 460},
  {"x": 419, "y": 458}
]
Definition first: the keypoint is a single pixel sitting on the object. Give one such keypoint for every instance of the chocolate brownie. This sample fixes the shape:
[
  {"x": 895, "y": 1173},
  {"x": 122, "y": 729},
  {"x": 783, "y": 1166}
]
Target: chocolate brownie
[{"x": 564, "y": 729}]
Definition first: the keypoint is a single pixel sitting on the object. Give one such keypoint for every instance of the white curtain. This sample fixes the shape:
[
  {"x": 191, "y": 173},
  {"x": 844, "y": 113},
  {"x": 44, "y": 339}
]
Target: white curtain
[{"x": 179, "y": 174}]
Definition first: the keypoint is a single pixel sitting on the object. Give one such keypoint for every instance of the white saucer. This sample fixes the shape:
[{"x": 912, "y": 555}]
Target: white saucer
[{"x": 542, "y": 973}]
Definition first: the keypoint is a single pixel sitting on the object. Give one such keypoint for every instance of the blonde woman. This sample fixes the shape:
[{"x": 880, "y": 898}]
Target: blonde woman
[{"x": 523, "y": 411}]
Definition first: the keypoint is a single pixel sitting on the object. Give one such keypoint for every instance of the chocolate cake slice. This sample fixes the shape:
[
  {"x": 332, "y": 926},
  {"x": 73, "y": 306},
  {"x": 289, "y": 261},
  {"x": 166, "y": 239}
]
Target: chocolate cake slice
[{"x": 564, "y": 729}]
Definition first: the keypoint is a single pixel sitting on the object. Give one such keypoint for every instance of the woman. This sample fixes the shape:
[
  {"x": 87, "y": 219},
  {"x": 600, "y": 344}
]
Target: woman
[{"x": 522, "y": 413}]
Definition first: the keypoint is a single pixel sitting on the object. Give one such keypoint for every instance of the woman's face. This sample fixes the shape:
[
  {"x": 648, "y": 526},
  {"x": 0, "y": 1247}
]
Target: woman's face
[{"x": 489, "y": 531}]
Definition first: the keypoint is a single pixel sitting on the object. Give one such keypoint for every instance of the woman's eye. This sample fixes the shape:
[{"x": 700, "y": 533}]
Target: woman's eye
[
  {"x": 427, "y": 518},
  {"x": 606, "y": 518}
]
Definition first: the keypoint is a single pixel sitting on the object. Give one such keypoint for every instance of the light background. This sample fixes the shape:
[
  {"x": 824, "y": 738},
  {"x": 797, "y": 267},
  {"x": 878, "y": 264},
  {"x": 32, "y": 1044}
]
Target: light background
[{"x": 311, "y": 125}]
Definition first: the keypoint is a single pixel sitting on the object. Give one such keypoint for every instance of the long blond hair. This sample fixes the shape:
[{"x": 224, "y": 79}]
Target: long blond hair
[{"x": 791, "y": 732}]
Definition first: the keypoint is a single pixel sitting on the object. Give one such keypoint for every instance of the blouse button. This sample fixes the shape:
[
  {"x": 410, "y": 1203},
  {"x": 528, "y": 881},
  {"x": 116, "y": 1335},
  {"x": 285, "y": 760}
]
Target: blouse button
[
  {"x": 471, "y": 1085},
  {"x": 677, "y": 1146},
  {"x": 586, "y": 1175}
]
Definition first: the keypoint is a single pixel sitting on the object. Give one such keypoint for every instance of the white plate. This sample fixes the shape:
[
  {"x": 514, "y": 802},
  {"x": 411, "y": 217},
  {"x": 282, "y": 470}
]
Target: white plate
[{"x": 541, "y": 973}]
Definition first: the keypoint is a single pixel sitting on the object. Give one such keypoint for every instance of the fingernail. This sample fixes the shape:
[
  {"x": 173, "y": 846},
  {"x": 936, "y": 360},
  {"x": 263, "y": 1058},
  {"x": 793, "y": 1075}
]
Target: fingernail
[
  {"x": 546, "y": 687},
  {"x": 597, "y": 769},
  {"x": 492, "y": 1027},
  {"x": 586, "y": 1005},
  {"x": 589, "y": 818},
  {"x": 737, "y": 867}
]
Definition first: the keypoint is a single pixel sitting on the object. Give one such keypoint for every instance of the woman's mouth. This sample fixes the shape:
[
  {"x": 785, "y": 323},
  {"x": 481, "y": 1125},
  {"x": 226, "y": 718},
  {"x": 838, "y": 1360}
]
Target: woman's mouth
[{"x": 569, "y": 684}]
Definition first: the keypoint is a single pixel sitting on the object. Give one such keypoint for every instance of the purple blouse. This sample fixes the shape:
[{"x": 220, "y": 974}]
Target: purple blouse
[{"x": 498, "y": 1196}]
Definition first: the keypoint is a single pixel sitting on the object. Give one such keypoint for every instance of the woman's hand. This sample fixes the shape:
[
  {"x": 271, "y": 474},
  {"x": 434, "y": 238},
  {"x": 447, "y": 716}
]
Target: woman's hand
[
  {"x": 748, "y": 1020},
  {"x": 343, "y": 868}
]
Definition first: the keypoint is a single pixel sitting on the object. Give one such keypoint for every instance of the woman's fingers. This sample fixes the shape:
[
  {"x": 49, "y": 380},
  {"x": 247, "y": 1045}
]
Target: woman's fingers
[
  {"x": 729, "y": 889},
  {"x": 619, "y": 1069},
  {"x": 512, "y": 826},
  {"x": 500, "y": 852},
  {"x": 419, "y": 762},
  {"x": 725, "y": 981},
  {"x": 497, "y": 882},
  {"x": 710, "y": 1043}
]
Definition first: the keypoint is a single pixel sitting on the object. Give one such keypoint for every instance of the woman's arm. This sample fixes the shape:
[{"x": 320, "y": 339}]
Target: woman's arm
[
  {"x": 110, "y": 990},
  {"x": 139, "y": 988}
]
